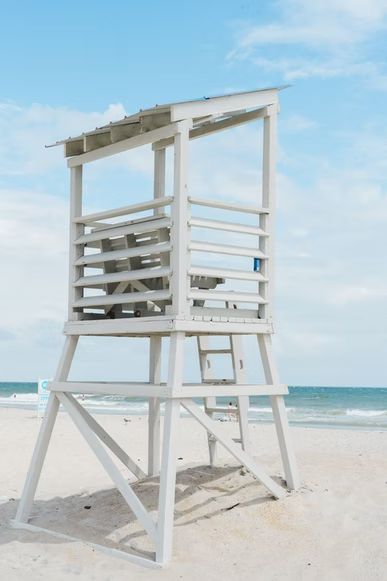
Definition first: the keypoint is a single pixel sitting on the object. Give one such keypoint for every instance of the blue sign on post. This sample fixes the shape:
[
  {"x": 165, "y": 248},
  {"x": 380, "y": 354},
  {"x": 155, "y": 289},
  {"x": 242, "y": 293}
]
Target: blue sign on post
[{"x": 43, "y": 393}]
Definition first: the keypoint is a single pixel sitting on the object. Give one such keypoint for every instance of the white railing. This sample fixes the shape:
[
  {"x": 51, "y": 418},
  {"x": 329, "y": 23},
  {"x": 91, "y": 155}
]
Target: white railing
[
  {"x": 123, "y": 267},
  {"x": 213, "y": 257}
]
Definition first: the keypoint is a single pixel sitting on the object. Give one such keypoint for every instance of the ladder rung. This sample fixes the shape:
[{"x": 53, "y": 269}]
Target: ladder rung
[{"x": 216, "y": 351}]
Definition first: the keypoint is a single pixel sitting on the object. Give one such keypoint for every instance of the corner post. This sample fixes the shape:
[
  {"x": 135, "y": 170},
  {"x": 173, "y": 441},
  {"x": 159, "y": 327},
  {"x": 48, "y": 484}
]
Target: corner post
[
  {"x": 168, "y": 461},
  {"x": 279, "y": 413},
  {"x": 154, "y": 407},
  {"x": 75, "y": 251},
  {"x": 266, "y": 221},
  {"x": 179, "y": 235}
]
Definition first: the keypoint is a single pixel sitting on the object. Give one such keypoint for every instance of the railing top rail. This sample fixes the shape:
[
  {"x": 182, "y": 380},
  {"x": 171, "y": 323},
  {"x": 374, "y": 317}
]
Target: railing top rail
[
  {"x": 227, "y": 206},
  {"x": 124, "y": 210}
]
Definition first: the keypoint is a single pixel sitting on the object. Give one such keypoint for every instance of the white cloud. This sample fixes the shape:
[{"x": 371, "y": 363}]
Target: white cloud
[
  {"x": 33, "y": 258},
  {"x": 332, "y": 36}
]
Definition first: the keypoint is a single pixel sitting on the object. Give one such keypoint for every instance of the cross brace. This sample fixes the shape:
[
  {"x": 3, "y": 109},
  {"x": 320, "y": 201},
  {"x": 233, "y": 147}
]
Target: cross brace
[{"x": 160, "y": 530}]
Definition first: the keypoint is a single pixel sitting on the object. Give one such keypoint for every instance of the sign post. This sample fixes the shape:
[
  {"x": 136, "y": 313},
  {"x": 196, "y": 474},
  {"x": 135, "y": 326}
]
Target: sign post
[{"x": 43, "y": 394}]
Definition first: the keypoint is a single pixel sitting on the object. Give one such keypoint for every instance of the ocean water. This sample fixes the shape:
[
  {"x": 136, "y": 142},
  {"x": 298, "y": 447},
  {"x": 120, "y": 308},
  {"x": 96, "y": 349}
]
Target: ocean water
[{"x": 331, "y": 407}]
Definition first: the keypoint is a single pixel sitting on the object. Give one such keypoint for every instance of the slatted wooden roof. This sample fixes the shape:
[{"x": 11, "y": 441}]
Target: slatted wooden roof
[{"x": 208, "y": 114}]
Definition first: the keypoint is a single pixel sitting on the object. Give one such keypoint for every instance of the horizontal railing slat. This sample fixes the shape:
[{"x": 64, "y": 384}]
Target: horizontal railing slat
[
  {"x": 123, "y": 276},
  {"x": 138, "y": 228},
  {"x": 124, "y": 253},
  {"x": 226, "y": 226},
  {"x": 115, "y": 299},
  {"x": 227, "y": 206},
  {"x": 124, "y": 210},
  {"x": 226, "y": 249},
  {"x": 227, "y": 273},
  {"x": 204, "y": 295}
]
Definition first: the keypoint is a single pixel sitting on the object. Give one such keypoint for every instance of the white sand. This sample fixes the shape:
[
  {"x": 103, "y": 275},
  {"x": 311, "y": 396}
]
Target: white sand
[{"x": 335, "y": 528}]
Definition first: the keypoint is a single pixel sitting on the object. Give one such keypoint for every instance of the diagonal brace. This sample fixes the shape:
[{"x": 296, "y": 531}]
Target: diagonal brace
[
  {"x": 108, "y": 440},
  {"x": 256, "y": 469},
  {"x": 91, "y": 438}
]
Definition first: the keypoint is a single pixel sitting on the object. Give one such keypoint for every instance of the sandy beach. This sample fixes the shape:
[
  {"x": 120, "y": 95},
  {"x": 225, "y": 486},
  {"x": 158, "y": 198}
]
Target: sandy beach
[{"x": 226, "y": 525}]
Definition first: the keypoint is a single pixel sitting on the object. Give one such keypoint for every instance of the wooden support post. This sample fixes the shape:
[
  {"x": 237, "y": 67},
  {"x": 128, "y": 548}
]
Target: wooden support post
[
  {"x": 159, "y": 177},
  {"x": 179, "y": 255},
  {"x": 266, "y": 221},
  {"x": 279, "y": 414},
  {"x": 45, "y": 432},
  {"x": 76, "y": 250},
  {"x": 168, "y": 461},
  {"x": 154, "y": 407}
]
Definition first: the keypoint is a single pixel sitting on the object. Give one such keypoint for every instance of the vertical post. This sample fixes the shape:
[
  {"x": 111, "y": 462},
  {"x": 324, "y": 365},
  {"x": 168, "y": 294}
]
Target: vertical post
[
  {"x": 76, "y": 230},
  {"x": 179, "y": 254},
  {"x": 168, "y": 461},
  {"x": 266, "y": 221},
  {"x": 279, "y": 413},
  {"x": 159, "y": 177},
  {"x": 154, "y": 407}
]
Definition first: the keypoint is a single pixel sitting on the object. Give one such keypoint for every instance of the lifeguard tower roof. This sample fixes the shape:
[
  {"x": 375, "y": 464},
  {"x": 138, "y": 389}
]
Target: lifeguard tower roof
[{"x": 208, "y": 114}]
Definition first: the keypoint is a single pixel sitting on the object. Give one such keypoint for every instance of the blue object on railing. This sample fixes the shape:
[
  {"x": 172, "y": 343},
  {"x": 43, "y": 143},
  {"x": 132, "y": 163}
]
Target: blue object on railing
[{"x": 257, "y": 264}]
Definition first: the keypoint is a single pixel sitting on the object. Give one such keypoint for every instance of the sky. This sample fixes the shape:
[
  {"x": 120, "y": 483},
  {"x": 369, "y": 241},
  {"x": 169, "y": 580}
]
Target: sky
[{"x": 69, "y": 67}]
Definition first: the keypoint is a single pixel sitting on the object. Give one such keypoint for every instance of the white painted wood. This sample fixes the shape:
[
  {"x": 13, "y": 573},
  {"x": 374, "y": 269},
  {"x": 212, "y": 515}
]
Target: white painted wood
[
  {"x": 76, "y": 230},
  {"x": 204, "y": 295},
  {"x": 36, "y": 465},
  {"x": 124, "y": 298},
  {"x": 123, "y": 211},
  {"x": 130, "y": 497},
  {"x": 167, "y": 483},
  {"x": 168, "y": 461},
  {"x": 159, "y": 175},
  {"x": 279, "y": 414},
  {"x": 108, "y": 440},
  {"x": 178, "y": 283},
  {"x": 116, "y": 388},
  {"x": 256, "y": 469},
  {"x": 266, "y": 222},
  {"x": 124, "y": 276},
  {"x": 122, "y": 254},
  {"x": 228, "y": 390},
  {"x": 226, "y": 249},
  {"x": 213, "y": 125},
  {"x": 143, "y": 227},
  {"x": 109, "y": 551},
  {"x": 146, "y": 326},
  {"x": 238, "y": 364},
  {"x": 154, "y": 407},
  {"x": 223, "y": 104},
  {"x": 227, "y": 206},
  {"x": 225, "y": 273},
  {"x": 209, "y": 402},
  {"x": 125, "y": 145},
  {"x": 226, "y": 226},
  {"x": 41, "y": 446}
]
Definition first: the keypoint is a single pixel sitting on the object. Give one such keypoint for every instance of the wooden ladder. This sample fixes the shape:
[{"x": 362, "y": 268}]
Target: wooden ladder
[{"x": 235, "y": 351}]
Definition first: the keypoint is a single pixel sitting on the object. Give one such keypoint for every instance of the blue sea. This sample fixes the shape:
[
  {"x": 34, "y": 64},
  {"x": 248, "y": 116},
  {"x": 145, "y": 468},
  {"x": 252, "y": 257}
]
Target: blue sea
[{"x": 330, "y": 407}]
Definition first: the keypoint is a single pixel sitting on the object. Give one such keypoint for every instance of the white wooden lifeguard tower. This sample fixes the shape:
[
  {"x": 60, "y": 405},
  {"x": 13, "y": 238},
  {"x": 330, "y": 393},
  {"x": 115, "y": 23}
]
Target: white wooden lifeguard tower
[{"x": 143, "y": 271}]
